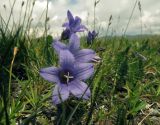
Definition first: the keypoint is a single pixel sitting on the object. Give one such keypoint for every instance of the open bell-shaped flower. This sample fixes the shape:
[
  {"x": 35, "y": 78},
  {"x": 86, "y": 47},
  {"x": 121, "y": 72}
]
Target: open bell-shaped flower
[{"x": 69, "y": 77}]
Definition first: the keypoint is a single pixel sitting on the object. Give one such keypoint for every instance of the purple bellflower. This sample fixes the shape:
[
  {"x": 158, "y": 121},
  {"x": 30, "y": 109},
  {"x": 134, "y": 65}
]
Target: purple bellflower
[
  {"x": 74, "y": 25},
  {"x": 81, "y": 55},
  {"x": 91, "y": 36},
  {"x": 69, "y": 77},
  {"x": 65, "y": 34}
]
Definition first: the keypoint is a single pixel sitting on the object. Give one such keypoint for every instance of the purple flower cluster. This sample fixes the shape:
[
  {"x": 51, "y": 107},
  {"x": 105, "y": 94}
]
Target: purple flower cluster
[
  {"x": 75, "y": 65},
  {"x": 74, "y": 25},
  {"x": 91, "y": 36}
]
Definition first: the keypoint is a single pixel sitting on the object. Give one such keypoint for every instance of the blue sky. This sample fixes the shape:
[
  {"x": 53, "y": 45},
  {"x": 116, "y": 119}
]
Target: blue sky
[{"x": 119, "y": 9}]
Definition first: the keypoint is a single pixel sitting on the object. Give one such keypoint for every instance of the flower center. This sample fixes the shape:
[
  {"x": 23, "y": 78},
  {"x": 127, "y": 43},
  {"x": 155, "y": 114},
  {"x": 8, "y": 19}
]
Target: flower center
[{"x": 66, "y": 77}]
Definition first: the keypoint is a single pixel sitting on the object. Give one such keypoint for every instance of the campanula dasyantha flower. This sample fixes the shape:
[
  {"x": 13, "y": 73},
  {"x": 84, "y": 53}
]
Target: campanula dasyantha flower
[
  {"x": 91, "y": 36},
  {"x": 69, "y": 77},
  {"x": 81, "y": 55},
  {"x": 74, "y": 25},
  {"x": 65, "y": 34}
]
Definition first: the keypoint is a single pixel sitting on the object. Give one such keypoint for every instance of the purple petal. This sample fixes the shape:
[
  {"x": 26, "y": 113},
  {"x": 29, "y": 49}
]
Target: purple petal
[
  {"x": 90, "y": 34},
  {"x": 57, "y": 45},
  {"x": 66, "y": 24},
  {"x": 66, "y": 59},
  {"x": 80, "y": 28},
  {"x": 84, "y": 55},
  {"x": 76, "y": 26},
  {"x": 79, "y": 88},
  {"x": 60, "y": 94},
  {"x": 70, "y": 17},
  {"x": 83, "y": 70},
  {"x": 94, "y": 33},
  {"x": 74, "y": 43},
  {"x": 65, "y": 34},
  {"x": 89, "y": 38},
  {"x": 77, "y": 21},
  {"x": 50, "y": 74}
]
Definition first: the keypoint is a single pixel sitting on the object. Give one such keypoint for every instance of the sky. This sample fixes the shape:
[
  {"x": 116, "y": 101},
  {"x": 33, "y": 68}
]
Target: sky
[{"x": 119, "y": 9}]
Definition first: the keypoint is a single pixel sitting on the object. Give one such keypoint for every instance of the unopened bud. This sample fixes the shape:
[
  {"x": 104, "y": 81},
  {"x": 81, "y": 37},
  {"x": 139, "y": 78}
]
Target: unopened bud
[
  {"x": 4, "y": 6},
  {"x": 22, "y": 3}
]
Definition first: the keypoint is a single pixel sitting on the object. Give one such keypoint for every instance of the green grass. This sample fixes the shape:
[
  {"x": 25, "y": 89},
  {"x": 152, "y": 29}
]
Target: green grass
[{"x": 123, "y": 85}]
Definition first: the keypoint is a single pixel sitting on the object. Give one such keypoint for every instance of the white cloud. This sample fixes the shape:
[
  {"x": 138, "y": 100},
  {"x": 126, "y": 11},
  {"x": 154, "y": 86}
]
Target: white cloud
[
  {"x": 147, "y": 17},
  {"x": 55, "y": 18}
]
